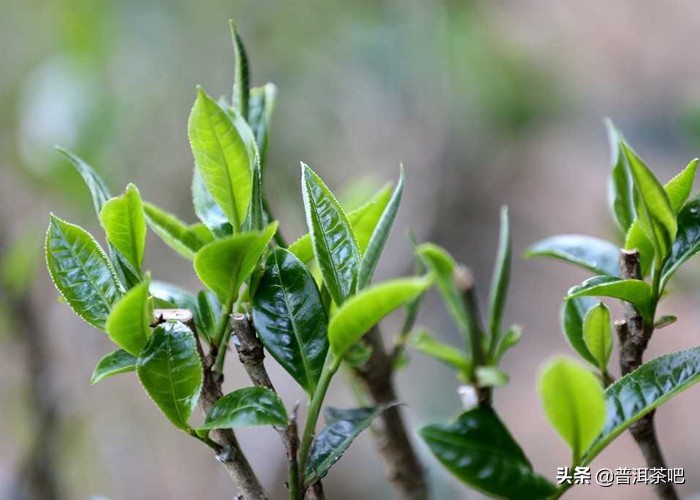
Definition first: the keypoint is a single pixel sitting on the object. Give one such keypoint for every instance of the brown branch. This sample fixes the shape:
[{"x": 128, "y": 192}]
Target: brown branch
[
  {"x": 228, "y": 452},
  {"x": 634, "y": 334},
  {"x": 390, "y": 435}
]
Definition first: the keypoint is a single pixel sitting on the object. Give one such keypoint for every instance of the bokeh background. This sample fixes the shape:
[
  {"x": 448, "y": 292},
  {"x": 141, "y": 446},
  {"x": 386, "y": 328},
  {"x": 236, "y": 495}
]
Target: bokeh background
[{"x": 485, "y": 103}]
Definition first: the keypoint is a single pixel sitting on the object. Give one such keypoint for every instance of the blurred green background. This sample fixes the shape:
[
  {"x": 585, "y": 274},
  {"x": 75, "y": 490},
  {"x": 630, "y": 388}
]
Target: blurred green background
[{"x": 485, "y": 102}]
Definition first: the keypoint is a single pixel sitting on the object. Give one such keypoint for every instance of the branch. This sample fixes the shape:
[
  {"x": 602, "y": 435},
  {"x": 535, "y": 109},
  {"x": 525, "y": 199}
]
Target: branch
[
  {"x": 390, "y": 435},
  {"x": 634, "y": 334},
  {"x": 252, "y": 355},
  {"x": 228, "y": 453}
]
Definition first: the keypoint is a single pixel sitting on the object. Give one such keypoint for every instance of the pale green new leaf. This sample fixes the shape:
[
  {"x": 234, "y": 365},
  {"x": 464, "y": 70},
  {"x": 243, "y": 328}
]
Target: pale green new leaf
[
  {"x": 206, "y": 208},
  {"x": 500, "y": 279},
  {"x": 594, "y": 254},
  {"x": 379, "y": 237},
  {"x": 334, "y": 243},
  {"x": 430, "y": 346},
  {"x": 81, "y": 271},
  {"x": 361, "y": 312},
  {"x": 241, "y": 85},
  {"x": 113, "y": 363},
  {"x": 97, "y": 187},
  {"x": 573, "y": 402},
  {"x": 654, "y": 211},
  {"x": 170, "y": 370},
  {"x": 224, "y": 155},
  {"x": 621, "y": 189},
  {"x": 225, "y": 264},
  {"x": 124, "y": 223},
  {"x": 128, "y": 325},
  {"x": 182, "y": 238},
  {"x": 260, "y": 108},
  {"x": 597, "y": 334},
  {"x": 248, "y": 407}
]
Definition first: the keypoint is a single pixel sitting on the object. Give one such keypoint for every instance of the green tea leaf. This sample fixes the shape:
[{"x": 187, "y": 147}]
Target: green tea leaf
[
  {"x": 478, "y": 449},
  {"x": 654, "y": 211},
  {"x": 128, "y": 325},
  {"x": 594, "y": 254},
  {"x": 114, "y": 363},
  {"x": 500, "y": 279},
  {"x": 225, "y": 264},
  {"x": 172, "y": 295},
  {"x": 97, "y": 187},
  {"x": 572, "y": 314},
  {"x": 174, "y": 233},
  {"x": 687, "y": 241},
  {"x": 123, "y": 220},
  {"x": 678, "y": 189},
  {"x": 249, "y": 407},
  {"x": 638, "y": 393},
  {"x": 430, "y": 346},
  {"x": 361, "y": 312},
  {"x": 621, "y": 189},
  {"x": 206, "y": 208},
  {"x": 343, "y": 426},
  {"x": 290, "y": 318},
  {"x": 490, "y": 376},
  {"x": 379, "y": 237},
  {"x": 334, "y": 244},
  {"x": 597, "y": 334},
  {"x": 574, "y": 404},
  {"x": 224, "y": 152},
  {"x": 171, "y": 372},
  {"x": 636, "y": 292},
  {"x": 81, "y": 272},
  {"x": 363, "y": 220},
  {"x": 261, "y": 106},
  {"x": 241, "y": 86},
  {"x": 207, "y": 313},
  {"x": 509, "y": 340}
]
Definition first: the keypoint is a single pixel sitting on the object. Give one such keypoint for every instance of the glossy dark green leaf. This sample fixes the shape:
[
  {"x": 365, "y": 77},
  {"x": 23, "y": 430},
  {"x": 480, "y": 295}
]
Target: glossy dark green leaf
[
  {"x": 170, "y": 370},
  {"x": 501, "y": 278},
  {"x": 363, "y": 220},
  {"x": 334, "y": 244},
  {"x": 621, "y": 189},
  {"x": 224, "y": 152},
  {"x": 478, "y": 449},
  {"x": 174, "y": 233},
  {"x": 362, "y": 311},
  {"x": 124, "y": 223},
  {"x": 128, "y": 325},
  {"x": 81, "y": 271},
  {"x": 638, "y": 393},
  {"x": 249, "y": 407},
  {"x": 430, "y": 346},
  {"x": 687, "y": 242},
  {"x": 573, "y": 402},
  {"x": 114, "y": 363},
  {"x": 572, "y": 313},
  {"x": 290, "y": 318},
  {"x": 379, "y": 237},
  {"x": 594, "y": 254},
  {"x": 206, "y": 208},
  {"x": 597, "y": 334},
  {"x": 636, "y": 292},
  {"x": 343, "y": 426},
  {"x": 241, "y": 86},
  {"x": 652, "y": 204},
  {"x": 225, "y": 264},
  {"x": 261, "y": 106}
]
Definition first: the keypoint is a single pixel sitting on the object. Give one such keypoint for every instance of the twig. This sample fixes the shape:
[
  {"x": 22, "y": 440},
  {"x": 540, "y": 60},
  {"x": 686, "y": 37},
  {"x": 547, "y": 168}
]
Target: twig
[
  {"x": 229, "y": 452},
  {"x": 634, "y": 334},
  {"x": 252, "y": 355},
  {"x": 391, "y": 437}
]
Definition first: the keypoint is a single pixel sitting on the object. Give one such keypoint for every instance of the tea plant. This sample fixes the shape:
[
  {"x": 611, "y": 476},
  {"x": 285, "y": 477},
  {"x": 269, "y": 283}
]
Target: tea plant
[
  {"x": 661, "y": 226},
  {"x": 260, "y": 297},
  {"x": 312, "y": 307}
]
